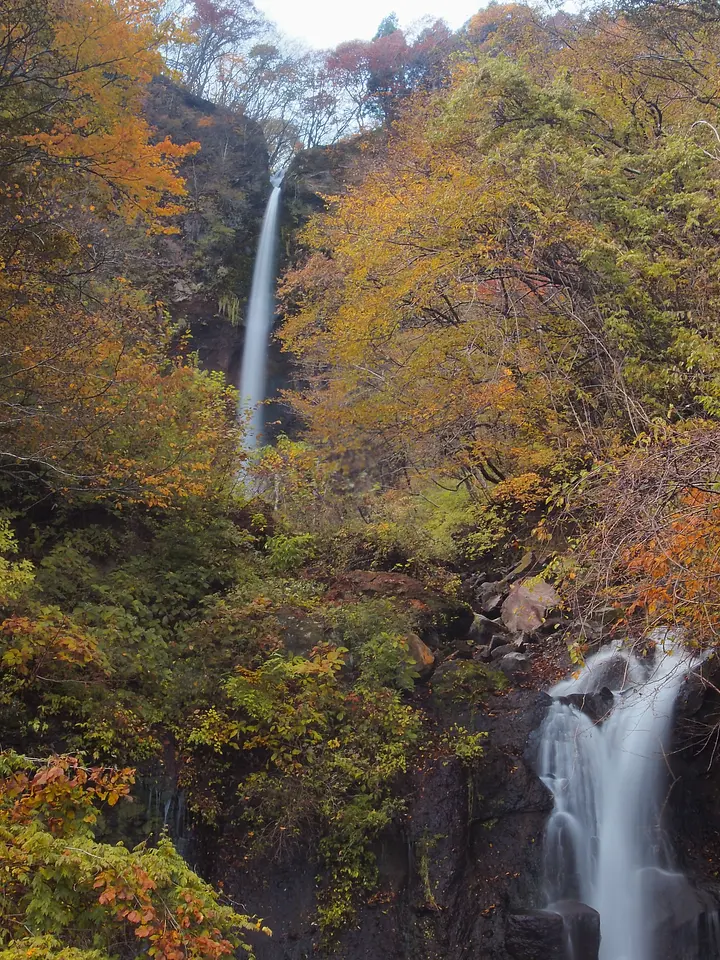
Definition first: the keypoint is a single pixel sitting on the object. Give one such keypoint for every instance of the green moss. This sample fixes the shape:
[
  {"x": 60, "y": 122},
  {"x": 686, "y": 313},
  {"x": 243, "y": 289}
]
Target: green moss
[{"x": 468, "y": 682}]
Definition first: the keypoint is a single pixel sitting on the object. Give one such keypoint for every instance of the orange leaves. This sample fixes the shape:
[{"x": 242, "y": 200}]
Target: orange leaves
[
  {"x": 183, "y": 930},
  {"x": 47, "y": 642},
  {"x": 92, "y": 401},
  {"x": 108, "y": 893},
  {"x": 654, "y": 550},
  {"x": 678, "y": 569},
  {"x": 62, "y": 792},
  {"x": 133, "y": 427},
  {"x": 173, "y": 436},
  {"x": 100, "y": 56},
  {"x": 139, "y": 174}
]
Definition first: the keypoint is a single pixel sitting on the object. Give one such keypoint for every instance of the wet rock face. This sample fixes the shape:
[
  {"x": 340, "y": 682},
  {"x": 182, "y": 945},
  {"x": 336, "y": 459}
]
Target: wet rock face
[
  {"x": 693, "y": 819},
  {"x": 582, "y": 929},
  {"x": 465, "y": 855},
  {"x": 535, "y": 935},
  {"x": 596, "y": 705},
  {"x": 461, "y": 871}
]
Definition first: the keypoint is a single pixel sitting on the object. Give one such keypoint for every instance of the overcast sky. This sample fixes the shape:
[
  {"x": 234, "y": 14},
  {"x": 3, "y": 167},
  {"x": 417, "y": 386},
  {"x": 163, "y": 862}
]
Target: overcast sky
[{"x": 325, "y": 23}]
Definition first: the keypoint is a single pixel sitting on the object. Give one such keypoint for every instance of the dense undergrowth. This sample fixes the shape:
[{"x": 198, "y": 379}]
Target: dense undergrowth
[{"x": 204, "y": 639}]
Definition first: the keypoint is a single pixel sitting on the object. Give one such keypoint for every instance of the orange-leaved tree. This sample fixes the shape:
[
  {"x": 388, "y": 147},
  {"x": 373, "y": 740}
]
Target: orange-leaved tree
[{"x": 89, "y": 398}]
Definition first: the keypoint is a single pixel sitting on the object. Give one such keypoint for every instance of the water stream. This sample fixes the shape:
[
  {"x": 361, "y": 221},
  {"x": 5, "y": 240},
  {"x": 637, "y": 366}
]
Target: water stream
[
  {"x": 261, "y": 309},
  {"x": 605, "y": 845}
]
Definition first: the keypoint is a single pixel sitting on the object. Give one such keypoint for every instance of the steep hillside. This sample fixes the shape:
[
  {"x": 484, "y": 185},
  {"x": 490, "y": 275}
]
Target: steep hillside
[{"x": 204, "y": 272}]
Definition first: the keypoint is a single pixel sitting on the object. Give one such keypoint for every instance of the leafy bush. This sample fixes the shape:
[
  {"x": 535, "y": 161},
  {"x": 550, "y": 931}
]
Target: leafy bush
[
  {"x": 466, "y": 746},
  {"x": 386, "y": 661},
  {"x": 287, "y": 552},
  {"x": 16, "y": 577},
  {"x": 69, "y": 897},
  {"x": 325, "y": 759}
]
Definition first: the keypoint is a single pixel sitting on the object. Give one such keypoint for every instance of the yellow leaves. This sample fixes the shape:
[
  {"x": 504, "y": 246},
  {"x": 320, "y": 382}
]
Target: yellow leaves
[
  {"x": 102, "y": 54},
  {"x": 415, "y": 297},
  {"x": 52, "y": 639}
]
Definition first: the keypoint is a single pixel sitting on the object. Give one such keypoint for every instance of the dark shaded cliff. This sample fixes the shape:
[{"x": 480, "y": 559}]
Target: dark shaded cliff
[
  {"x": 206, "y": 269},
  {"x": 464, "y": 856},
  {"x": 315, "y": 174}
]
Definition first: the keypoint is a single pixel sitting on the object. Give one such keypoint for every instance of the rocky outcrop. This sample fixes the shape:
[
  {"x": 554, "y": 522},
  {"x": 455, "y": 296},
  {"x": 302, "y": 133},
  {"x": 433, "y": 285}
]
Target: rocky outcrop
[
  {"x": 597, "y": 706},
  {"x": 694, "y": 800},
  {"x": 315, "y": 174},
  {"x": 460, "y": 870},
  {"x": 527, "y": 605},
  {"x": 443, "y": 620}
]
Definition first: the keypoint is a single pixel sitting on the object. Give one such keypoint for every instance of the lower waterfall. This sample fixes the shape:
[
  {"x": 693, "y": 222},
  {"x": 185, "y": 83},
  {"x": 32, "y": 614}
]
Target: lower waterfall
[{"x": 609, "y": 777}]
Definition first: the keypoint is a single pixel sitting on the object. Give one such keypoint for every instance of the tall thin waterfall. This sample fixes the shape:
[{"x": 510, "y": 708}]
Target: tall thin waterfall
[
  {"x": 261, "y": 308},
  {"x": 604, "y": 843}
]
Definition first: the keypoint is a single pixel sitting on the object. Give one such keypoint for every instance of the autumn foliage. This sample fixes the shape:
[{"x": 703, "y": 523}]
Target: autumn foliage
[
  {"x": 91, "y": 399},
  {"x": 522, "y": 284},
  {"x": 63, "y": 890}
]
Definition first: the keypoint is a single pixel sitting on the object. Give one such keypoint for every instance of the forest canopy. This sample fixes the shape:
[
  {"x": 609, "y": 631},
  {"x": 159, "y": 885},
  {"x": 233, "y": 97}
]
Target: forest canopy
[{"x": 521, "y": 287}]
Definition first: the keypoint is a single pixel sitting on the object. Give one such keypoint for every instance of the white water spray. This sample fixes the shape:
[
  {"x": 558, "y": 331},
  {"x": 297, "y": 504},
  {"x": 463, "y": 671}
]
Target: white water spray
[
  {"x": 261, "y": 308},
  {"x": 604, "y": 843}
]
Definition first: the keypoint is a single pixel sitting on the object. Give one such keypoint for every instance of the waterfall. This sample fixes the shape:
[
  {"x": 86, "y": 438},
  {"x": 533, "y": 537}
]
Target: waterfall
[
  {"x": 261, "y": 308},
  {"x": 604, "y": 844}
]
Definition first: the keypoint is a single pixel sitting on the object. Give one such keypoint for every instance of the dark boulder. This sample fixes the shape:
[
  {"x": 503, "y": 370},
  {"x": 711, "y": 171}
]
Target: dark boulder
[
  {"x": 535, "y": 935},
  {"x": 498, "y": 640},
  {"x": 605, "y": 617},
  {"x": 490, "y": 596},
  {"x": 702, "y": 682},
  {"x": 595, "y": 705},
  {"x": 484, "y": 630},
  {"x": 582, "y": 929},
  {"x": 515, "y": 665},
  {"x": 501, "y": 650}
]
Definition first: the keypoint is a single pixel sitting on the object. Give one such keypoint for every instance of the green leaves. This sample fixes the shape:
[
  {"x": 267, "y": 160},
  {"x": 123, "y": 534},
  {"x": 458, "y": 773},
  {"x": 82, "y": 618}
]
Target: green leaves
[
  {"x": 67, "y": 897},
  {"x": 16, "y": 577}
]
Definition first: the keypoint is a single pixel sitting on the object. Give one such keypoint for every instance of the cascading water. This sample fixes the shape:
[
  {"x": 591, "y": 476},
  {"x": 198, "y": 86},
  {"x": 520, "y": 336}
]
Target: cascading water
[
  {"x": 604, "y": 844},
  {"x": 261, "y": 308}
]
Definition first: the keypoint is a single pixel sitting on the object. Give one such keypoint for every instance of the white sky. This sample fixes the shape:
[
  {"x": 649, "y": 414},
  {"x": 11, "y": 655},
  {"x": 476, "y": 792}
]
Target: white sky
[{"x": 325, "y": 23}]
